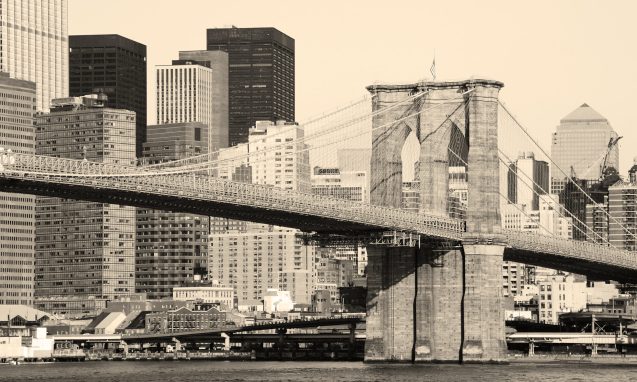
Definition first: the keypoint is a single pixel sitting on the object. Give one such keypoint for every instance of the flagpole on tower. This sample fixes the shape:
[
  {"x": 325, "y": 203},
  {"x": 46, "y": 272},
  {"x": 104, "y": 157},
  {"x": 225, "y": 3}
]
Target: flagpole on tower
[{"x": 432, "y": 70}]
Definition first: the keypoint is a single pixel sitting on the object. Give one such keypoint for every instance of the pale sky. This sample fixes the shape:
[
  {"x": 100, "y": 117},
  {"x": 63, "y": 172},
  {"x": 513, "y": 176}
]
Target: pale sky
[{"x": 551, "y": 55}]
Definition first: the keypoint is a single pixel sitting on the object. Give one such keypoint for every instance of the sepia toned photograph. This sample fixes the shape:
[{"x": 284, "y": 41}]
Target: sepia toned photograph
[{"x": 349, "y": 191}]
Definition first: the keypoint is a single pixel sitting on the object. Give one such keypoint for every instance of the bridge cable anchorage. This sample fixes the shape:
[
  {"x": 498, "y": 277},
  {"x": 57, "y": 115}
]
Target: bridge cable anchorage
[
  {"x": 211, "y": 156},
  {"x": 568, "y": 177},
  {"x": 583, "y": 250},
  {"x": 235, "y": 158},
  {"x": 309, "y": 122},
  {"x": 79, "y": 168},
  {"x": 561, "y": 211},
  {"x": 357, "y": 119},
  {"x": 519, "y": 171},
  {"x": 501, "y": 194}
]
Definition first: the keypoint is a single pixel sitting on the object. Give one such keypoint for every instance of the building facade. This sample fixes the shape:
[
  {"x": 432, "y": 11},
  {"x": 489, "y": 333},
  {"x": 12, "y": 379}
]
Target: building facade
[
  {"x": 261, "y": 76},
  {"x": 171, "y": 247},
  {"x": 527, "y": 179},
  {"x": 206, "y": 292},
  {"x": 34, "y": 46},
  {"x": 17, "y": 211},
  {"x": 113, "y": 65},
  {"x": 84, "y": 250},
  {"x": 253, "y": 262},
  {"x": 186, "y": 93},
  {"x": 622, "y": 208}
]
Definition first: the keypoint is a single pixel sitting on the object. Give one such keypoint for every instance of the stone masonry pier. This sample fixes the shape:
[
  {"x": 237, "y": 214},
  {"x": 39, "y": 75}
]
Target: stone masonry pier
[{"x": 442, "y": 301}]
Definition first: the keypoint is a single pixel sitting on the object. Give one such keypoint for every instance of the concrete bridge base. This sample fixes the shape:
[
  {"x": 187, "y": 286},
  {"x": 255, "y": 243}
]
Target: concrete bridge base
[{"x": 439, "y": 303}]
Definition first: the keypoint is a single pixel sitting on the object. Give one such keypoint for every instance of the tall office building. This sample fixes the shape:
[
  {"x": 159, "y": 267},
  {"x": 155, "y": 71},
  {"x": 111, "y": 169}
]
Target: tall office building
[
  {"x": 171, "y": 247},
  {"x": 17, "y": 236},
  {"x": 34, "y": 46},
  {"x": 186, "y": 93},
  {"x": 85, "y": 251},
  {"x": 113, "y": 65},
  {"x": 527, "y": 179},
  {"x": 579, "y": 146},
  {"x": 261, "y": 76}
]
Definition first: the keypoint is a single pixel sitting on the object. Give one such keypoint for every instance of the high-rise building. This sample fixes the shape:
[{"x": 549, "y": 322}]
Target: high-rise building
[
  {"x": 580, "y": 147},
  {"x": 186, "y": 93},
  {"x": 254, "y": 261},
  {"x": 171, "y": 247},
  {"x": 546, "y": 220},
  {"x": 261, "y": 75},
  {"x": 252, "y": 257},
  {"x": 218, "y": 61},
  {"x": 527, "y": 179},
  {"x": 17, "y": 220},
  {"x": 622, "y": 207},
  {"x": 34, "y": 46},
  {"x": 85, "y": 251},
  {"x": 113, "y": 65}
]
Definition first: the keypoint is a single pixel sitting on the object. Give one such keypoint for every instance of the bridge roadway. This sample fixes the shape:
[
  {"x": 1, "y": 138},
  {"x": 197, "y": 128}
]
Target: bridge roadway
[{"x": 207, "y": 195}]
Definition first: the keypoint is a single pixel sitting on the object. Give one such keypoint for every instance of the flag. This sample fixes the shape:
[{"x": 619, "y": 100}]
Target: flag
[{"x": 433, "y": 68}]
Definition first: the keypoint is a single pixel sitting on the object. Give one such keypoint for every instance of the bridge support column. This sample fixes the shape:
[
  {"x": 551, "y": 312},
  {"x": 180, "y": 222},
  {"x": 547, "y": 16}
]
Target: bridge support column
[
  {"x": 391, "y": 290},
  {"x": 484, "y": 337},
  {"x": 438, "y": 305}
]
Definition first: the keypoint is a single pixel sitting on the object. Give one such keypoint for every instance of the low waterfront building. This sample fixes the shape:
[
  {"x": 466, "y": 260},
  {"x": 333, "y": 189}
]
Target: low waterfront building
[
  {"x": 202, "y": 317},
  {"x": 207, "y": 292},
  {"x": 17, "y": 320}
]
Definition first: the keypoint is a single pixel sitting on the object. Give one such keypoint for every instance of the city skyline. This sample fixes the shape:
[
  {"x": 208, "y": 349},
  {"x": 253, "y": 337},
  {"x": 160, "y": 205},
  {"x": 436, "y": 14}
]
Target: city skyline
[{"x": 580, "y": 64}]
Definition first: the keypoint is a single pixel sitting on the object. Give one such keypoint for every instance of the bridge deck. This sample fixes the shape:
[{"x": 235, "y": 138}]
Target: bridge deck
[{"x": 207, "y": 195}]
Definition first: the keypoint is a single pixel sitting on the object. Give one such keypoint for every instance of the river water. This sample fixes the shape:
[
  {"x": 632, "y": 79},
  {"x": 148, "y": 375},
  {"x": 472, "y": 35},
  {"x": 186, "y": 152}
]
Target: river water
[{"x": 201, "y": 371}]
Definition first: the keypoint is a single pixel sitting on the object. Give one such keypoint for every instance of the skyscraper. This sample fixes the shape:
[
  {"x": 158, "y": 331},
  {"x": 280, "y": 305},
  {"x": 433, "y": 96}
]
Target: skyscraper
[
  {"x": 218, "y": 60},
  {"x": 34, "y": 46},
  {"x": 195, "y": 91},
  {"x": 85, "y": 251},
  {"x": 17, "y": 236},
  {"x": 527, "y": 179},
  {"x": 261, "y": 75},
  {"x": 580, "y": 144},
  {"x": 171, "y": 247},
  {"x": 113, "y": 65}
]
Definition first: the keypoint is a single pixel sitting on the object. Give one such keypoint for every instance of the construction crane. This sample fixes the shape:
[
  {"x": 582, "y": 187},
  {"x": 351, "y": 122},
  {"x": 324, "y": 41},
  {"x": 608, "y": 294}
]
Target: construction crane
[
  {"x": 611, "y": 143},
  {"x": 603, "y": 158}
]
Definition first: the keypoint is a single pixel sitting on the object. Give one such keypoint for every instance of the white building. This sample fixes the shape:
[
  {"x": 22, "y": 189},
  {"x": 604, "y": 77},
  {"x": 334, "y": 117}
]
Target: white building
[
  {"x": 253, "y": 262},
  {"x": 185, "y": 93},
  {"x": 560, "y": 294},
  {"x": 547, "y": 220},
  {"x": 252, "y": 257},
  {"x": 34, "y": 46},
  {"x": 277, "y": 157},
  {"x": 218, "y": 61},
  {"x": 277, "y": 301}
]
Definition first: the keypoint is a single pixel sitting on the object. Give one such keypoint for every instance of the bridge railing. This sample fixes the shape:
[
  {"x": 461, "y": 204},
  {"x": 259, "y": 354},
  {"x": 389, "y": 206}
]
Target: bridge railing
[
  {"x": 571, "y": 248},
  {"x": 204, "y": 187}
]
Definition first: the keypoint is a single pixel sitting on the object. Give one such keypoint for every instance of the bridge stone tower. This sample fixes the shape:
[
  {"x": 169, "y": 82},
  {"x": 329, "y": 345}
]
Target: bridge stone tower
[{"x": 441, "y": 302}]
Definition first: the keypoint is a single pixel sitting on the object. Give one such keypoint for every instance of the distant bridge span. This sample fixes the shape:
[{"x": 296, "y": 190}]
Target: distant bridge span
[{"x": 211, "y": 196}]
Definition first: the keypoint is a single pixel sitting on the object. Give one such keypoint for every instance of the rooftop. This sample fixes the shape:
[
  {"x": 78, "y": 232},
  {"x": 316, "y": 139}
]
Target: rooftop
[{"x": 584, "y": 113}]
